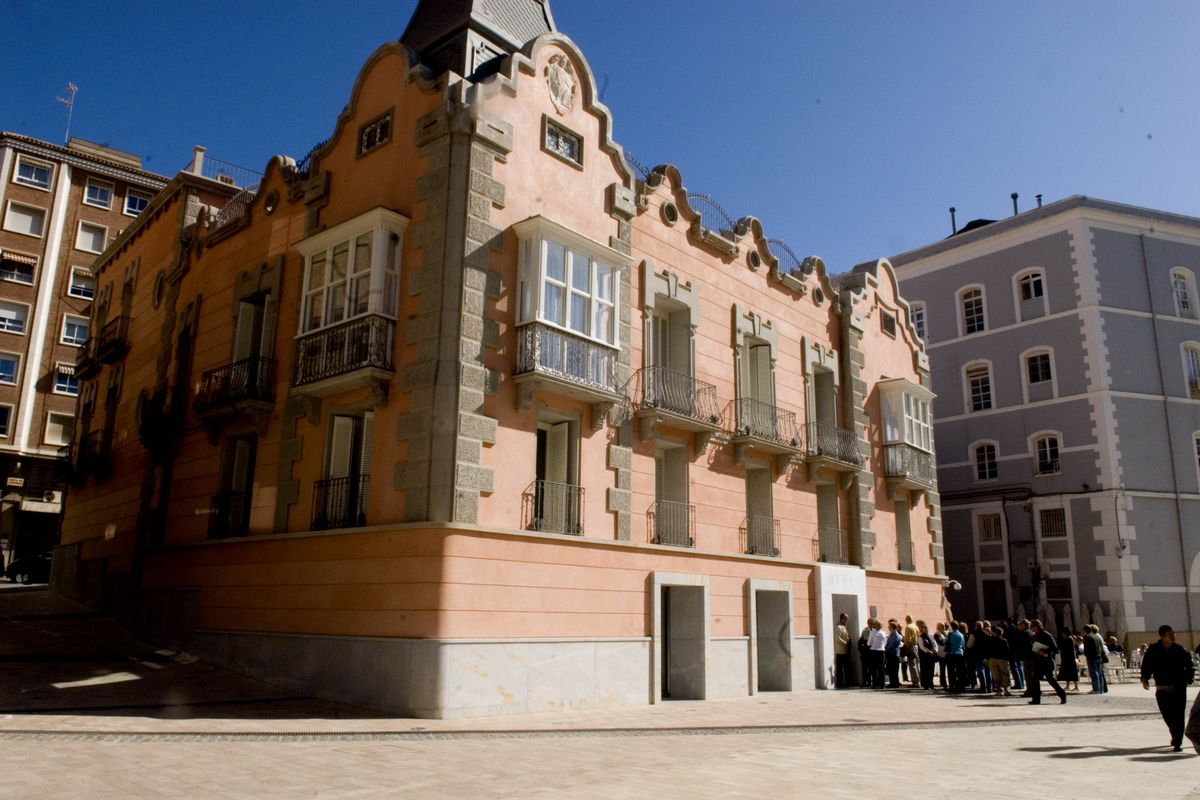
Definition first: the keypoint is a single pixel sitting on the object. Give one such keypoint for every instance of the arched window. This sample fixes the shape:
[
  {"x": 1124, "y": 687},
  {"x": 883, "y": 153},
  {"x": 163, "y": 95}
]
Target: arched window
[
  {"x": 1183, "y": 287},
  {"x": 978, "y": 378},
  {"x": 918, "y": 318},
  {"x": 986, "y": 468},
  {"x": 1031, "y": 294},
  {"x": 973, "y": 318},
  {"x": 1046, "y": 454},
  {"x": 1191, "y": 367}
]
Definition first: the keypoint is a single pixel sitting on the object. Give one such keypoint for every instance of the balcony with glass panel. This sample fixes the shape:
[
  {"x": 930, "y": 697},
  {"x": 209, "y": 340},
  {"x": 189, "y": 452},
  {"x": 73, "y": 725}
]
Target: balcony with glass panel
[{"x": 676, "y": 400}]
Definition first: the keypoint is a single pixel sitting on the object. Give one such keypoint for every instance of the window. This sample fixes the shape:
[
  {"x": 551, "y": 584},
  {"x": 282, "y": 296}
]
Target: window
[
  {"x": 82, "y": 283},
  {"x": 98, "y": 193},
  {"x": 10, "y": 368},
  {"x": 17, "y": 268},
  {"x": 74, "y": 330},
  {"x": 91, "y": 238},
  {"x": 916, "y": 422},
  {"x": 352, "y": 270},
  {"x": 568, "y": 281},
  {"x": 23, "y": 219},
  {"x": 985, "y": 463},
  {"x": 562, "y": 143},
  {"x": 65, "y": 381},
  {"x": 1038, "y": 367},
  {"x": 60, "y": 429},
  {"x": 557, "y": 499},
  {"x": 136, "y": 202},
  {"x": 888, "y": 322},
  {"x": 1031, "y": 286},
  {"x": 972, "y": 310},
  {"x": 979, "y": 387},
  {"x": 918, "y": 318},
  {"x": 906, "y": 419},
  {"x": 1046, "y": 450},
  {"x": 1183, "y": 286},
  {"x": 375, "y": 134},
  {"x": 5, "y": 421},
  {"x": 990, "y": 529},
  {"x": 37, "y": 174},
  {"x": 1053, "y": 523},
  {"x": 13, "y": 317},
  {"x": 1191, "y": 359}
]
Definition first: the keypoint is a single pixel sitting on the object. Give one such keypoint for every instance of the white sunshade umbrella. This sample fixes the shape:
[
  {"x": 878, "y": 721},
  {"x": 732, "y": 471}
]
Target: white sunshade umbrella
[
  {"x": 1068, "y": 621},
  {"x": 1121, "y": 624},
  {"x": 1085, "y": 616},
  {"x": 1098, "y": 618}
]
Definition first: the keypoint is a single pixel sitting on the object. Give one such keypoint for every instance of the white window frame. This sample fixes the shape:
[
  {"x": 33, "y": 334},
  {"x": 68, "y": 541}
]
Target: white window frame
[
  {"x": 22, "y": 257},
  {"x": 22, "y": 159},
  {"x": 1184, "y": 306},
  {"x": 382, "y": 275},
  {"x": 1024, "y": 367},
  {"x": 131, "y": 193},
  {"x": 961, "y": 296},
  {"x": 99, "y": 184},
  {"x": 535, "y": 235},
  {"x": 87, "y": 273},
  {"x": 62, "y": 331},
  {"x": 8, "y": 212},
  {"x": 6, "y": 431},
  {"x": 968, "y": 395},
  {"x": 24, "y": 320},
  {"x": 1190, "y": 354},
  {"x": 1018, "y": 281},
  {"x": 917, "y": 314},
  {"x": 1034, "y": 450},
  {"x": 990, "y": 511},
  {"x": 79, "y": 233},
  {"x": 973, "y": 453},
  {"x": 65, "y": 370},
  {"x": 70, "y": 428},
  {"x": 906, "y": 409},
  {"x": 16, "y": 359}
]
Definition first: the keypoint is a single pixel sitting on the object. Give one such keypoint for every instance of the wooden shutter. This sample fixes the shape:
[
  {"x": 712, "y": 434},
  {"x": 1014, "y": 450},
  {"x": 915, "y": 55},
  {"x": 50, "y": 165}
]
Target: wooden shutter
[
  {"x": 341, "y": 446},
  {"x": 248, "y": 334},
  {"x": 763, "y": 384},
  {"x": 758, "y": 493},
  {"x": 368, "y": 443},
  {"x": 660, "y": 475},
  {"x": 661, "y": 341},
  {"x": 241, "y": 472},
  {"x": 557, "y": 452}
]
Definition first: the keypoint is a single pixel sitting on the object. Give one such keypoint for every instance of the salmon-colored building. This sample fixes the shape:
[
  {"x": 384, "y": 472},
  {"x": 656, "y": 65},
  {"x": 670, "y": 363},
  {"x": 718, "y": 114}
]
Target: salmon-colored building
[{"x": 462, "y": 415}]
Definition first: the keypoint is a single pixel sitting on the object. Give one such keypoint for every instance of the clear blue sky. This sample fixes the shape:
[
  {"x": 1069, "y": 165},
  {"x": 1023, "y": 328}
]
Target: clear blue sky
[{"x": 848, "y": 128}]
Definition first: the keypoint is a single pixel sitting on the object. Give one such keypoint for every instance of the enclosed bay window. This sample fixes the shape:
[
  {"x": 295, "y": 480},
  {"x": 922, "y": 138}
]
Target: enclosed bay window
[{"x": 907, "y": 432}]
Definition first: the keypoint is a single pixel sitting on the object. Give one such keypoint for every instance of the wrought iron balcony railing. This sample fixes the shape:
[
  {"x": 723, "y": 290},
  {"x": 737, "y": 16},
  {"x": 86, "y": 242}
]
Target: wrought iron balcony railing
[
  {"x": 559, "y": 354},
  {"x": 766, "y": 422},
  {"x": 113, "y": 342},
  {"x": 666, "y": 390},
  {"x": 831, "y": 442},
  {"x": 907, "y": 463},
  {"x": 340, "y": 502},
  {"x": 230, "y": 515},
  {"x": 86, "y": 364},
  {"x": 553, "y": 508},
  {"x": 672, "y": 523},
  {"x": 248, "y": 380},
  {"x": 832, "y": 546},
  {"x": 1048, "y": 467},
  {"x": 361, "y": 343},
  {"x": 760, "y": 536}
]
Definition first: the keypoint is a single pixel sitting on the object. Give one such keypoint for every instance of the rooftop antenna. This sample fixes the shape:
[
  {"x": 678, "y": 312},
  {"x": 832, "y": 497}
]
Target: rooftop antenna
[
  {"x": 953, "y": 222},
  {"x": 1014, "y": 197},
  {"x": 69, "y": 102}
]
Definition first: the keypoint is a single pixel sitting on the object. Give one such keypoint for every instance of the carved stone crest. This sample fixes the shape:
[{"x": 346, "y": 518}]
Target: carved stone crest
[{"x": 561, "y": 80}]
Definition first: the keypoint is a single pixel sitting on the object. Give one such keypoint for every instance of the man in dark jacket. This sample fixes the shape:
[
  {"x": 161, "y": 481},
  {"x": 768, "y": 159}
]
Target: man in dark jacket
[
  {"x": 1044, "y": 649},
  {"x": 1171, "y": 667},
  {"x": 1022, "y": 650}
]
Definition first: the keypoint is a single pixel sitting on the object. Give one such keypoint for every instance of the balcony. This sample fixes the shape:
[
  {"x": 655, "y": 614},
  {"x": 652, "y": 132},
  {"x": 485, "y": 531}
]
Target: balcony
[
  {"x": 677, "y": 400},
  {"x": 672, "y": 523},
  {"x": 553, "y": 508},
  {"x": 113, "y": 342},
  {"x": 766, "y": 428},
  {"x": 907, "y": 467},
  {"x": 86, "y": 365},
  {"x": 346, "y": 356},
  {"x": 832, "y": 546},
  {"x": 239, "y": 388},
  {"x": 760, "y": 536},
  {"x": 1050, "y": 467},
  {"x": 340, "y": 503},
  {"x": 566, "y": 364},
  {"x": 230, "y": 515},
  {"x": 832, "y": 447}
]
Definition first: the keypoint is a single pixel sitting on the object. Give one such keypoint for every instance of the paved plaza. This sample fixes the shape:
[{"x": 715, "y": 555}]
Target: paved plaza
[{"x": 89, "y": 712}]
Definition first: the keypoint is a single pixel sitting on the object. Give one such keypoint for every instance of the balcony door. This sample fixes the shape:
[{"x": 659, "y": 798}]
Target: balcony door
[
  {"x": 760, "y": 521},
  {"x": 232, "y": 505},
  {"x": 756, "y": 391},
  {"x": 672, "y": 514},
  {"x": 348, "y": 470},
  {"x": 556, "y": 494},
  {"x": 671, "y": 384}
]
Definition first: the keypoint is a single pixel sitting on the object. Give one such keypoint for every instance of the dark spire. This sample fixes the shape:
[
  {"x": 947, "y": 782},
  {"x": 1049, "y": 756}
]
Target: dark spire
[{"x": 470, "y": 37}]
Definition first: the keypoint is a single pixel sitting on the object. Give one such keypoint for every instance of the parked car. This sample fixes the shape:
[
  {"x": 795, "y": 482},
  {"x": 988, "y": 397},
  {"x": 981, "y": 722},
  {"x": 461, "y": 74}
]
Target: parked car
[{"x": 30, "y": 569}]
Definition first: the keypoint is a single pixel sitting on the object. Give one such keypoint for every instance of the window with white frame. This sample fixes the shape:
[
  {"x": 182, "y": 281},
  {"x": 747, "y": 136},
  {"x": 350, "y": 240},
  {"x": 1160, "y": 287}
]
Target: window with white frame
[
  {"x": 568, "y": 281},
  {"x": 1037, "y": 368},
  {"x": 906, "y": 417},
  {"x": 918, "y": 318},
  {"x": 26, "y": 220},
  {"x": 91, "y": 238},
  {"x": 17, "y": 267},
  {"x": 352, "y": 270},
  {"x": 1031, "y": 286},
  {"x": 60, "y": 429},
  {"x": 83, "y": 284},
  {"x": 13, "y": 317},
  {"x": 979, "y": 387},
  {"x": 1183, "y": 288},
  {"x": 972, "y": 311},
  {"x": 136, "y": 202},
  {"x": 1045, "y": 450},
  {"x": 74, "y": 330},
  {"x": 1191, "y": 365},
  {"x": 1053, "y": 523},
  {"x": 5, "y": 421},
  {"x": 98, "y": 193},
  {"x": 986, "y": 468},
  {"x": 65, "y": 380},
  {"x": 990, "y": 528},
  {"x": 10, "y": 368},
  {"x": 31, "y": 172}
]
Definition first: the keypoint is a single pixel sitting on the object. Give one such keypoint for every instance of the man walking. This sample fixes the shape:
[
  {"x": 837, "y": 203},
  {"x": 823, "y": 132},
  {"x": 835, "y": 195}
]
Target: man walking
[
  {"x": 1170, "y": 665},
  {"x": 911, "y": 651},
  {"x": 841, "y": 653},
  {"x": 1093, "y": 651},
  {"x": 1044, "y": 649}
]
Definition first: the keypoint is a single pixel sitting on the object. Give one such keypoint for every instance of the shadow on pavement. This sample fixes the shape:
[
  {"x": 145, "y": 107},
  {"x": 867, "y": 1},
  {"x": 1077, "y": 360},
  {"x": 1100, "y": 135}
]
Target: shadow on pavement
[{"x": 1150, "y": 754}]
